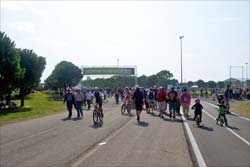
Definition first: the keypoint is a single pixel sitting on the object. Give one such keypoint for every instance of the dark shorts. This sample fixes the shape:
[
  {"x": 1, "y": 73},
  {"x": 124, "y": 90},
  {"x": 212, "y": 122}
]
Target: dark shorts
[
  {"x": 138, "y": 107},
  {"x": 172, "y": 105}
]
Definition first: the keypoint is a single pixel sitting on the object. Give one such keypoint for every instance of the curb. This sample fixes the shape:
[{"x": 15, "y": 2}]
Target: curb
[{"x": 190, "y": 148}]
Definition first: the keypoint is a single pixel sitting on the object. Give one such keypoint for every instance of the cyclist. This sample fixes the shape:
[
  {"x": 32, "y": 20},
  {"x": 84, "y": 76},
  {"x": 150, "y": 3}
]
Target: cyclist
[
  {"x": 222, "y": 112},
  {"x": 98, "y": 100},
  {"x": 198, "y": 109},
  {"x": 128, "y": 97}
]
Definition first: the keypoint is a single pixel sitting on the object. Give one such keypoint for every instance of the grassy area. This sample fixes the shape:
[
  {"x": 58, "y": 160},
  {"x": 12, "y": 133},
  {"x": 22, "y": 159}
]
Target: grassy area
[
  {"x": 36, "y": 105},
  {"x": 242, "y": 108}
]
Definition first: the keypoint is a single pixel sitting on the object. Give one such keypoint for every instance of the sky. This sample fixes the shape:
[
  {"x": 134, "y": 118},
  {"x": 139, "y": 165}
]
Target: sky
[{"x": 144, "y": 34}]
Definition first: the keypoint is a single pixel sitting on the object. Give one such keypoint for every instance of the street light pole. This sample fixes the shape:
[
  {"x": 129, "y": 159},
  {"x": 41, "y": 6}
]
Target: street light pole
[
  {"x": 181, "y": 59},
  {"x": 117, "y": 62},
  {"x": 246, "y": 71}
]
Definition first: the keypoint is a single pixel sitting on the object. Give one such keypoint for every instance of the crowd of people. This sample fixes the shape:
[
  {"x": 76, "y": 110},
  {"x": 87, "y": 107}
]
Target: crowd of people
[{"x": 155, "y": 100}]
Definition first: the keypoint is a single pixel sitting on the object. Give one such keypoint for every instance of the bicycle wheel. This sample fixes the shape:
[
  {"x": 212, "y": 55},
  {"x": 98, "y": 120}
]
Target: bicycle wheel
[
  {"x": 95, "y": 116},
  {"x": 198, "y": 121},
  {"x": 221, "y": 121},
  {"x": 123, "y": 108},
  {"x": 100, "y": 116},
  {"x": 128, "y": 109}
]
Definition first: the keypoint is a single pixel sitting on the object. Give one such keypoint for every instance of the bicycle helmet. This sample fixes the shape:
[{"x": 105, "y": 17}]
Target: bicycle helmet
[{"x": 197, "y": 100}]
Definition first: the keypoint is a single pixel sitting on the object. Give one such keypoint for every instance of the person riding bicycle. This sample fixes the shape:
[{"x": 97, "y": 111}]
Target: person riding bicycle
[
  {"x": 198, "y": 109},
  {"x": 127, "y": 96},
  {"x": 220, "y": 97},
  {"x": 98, "y": 100},
  {"x": 222, "y": 112}
]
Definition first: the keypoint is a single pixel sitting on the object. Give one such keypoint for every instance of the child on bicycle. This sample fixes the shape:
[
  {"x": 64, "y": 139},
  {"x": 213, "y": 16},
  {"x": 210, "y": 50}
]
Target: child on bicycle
[
  {"x": 222, "y": 112},
  {"x": 198, "y": 109}
]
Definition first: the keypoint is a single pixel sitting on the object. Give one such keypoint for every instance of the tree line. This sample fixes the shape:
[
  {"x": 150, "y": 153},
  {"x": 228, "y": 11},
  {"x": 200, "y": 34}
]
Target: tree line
[{"x": 20, "y": 69}]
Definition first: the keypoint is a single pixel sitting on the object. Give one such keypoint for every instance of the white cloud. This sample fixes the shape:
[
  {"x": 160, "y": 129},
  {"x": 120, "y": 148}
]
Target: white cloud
[
  {"x": 230, "y": 19},
  {"x": 22, "y": 26},
  {"x": 50, "y": 42},
  {"x": 32, "y": 7}
]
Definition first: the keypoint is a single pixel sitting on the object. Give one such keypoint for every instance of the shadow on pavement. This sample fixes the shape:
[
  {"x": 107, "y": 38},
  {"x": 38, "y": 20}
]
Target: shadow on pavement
[
  {"x": 173, "y": 120},
  {"x": 233, "y": 127},
  {"x": 97, "y": 125},
  {"x": 142, "y": 123},
  {"x": 76, "y": 119},
  {"x": 66, "y": 119},
  {"x": 206, "y": 128}
]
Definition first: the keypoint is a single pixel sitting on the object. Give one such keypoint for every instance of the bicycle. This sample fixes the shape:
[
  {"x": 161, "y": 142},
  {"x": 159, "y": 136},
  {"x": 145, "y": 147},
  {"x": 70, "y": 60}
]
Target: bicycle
[
  {"x": 220, "y": 120},
  {"x": 97, "y": 115},
  {"x": 198, "y": 120},
  {"x": 125, "y": 107}
]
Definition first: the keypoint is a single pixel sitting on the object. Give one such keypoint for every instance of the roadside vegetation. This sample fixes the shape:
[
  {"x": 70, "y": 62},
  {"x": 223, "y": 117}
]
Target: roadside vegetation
[
  {"x": 241, "y": 107},
  {"x": 37, "y": 104}
]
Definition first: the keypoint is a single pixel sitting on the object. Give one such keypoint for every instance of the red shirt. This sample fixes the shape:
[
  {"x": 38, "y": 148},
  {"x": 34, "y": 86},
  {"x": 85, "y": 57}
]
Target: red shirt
[
  {"x": 162, "y": 96},
  {"x": 185, "y": 98}
]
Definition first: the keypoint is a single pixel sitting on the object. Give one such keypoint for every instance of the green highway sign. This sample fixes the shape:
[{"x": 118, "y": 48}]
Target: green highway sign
[{"x": 108, "y": 71}]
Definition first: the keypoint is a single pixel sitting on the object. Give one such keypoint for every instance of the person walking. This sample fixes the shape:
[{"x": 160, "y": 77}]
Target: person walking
[
  {"x": 89, "y": 96},
  {"x": 185, "y": 102},
  {"x": 172, "y": 95},
  {"x": 161, "y": 96},
  {"x": 138, "y": 99},
  {"x": 70, "y": 100},
  {"x": 79, "y": 98}
]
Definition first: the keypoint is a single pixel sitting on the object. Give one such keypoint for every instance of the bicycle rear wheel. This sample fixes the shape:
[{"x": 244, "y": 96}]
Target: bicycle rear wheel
[
  {"x": 123, "y": 108},
  {"x": 95, "y": 116}
]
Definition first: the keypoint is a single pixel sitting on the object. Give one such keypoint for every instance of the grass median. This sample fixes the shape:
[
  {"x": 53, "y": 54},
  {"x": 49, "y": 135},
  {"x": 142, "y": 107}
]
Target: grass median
[
  {"x": 36, "y": 105},
  {"x": 241, "y": 107}
]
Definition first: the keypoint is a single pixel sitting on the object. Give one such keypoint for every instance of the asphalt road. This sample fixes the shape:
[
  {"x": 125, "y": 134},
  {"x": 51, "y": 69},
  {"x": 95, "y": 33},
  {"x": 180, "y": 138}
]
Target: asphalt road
[
  {"x": 121, "y": 141},
  {"x": 220, "y": 146}
]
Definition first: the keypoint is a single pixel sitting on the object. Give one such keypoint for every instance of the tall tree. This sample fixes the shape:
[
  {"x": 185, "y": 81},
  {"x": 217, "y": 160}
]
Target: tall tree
[
  {"x": 201, "y": 83},
  {"x": 220, "y": 84},
  {"x": 190, "y": 83},
  {"x": 10, "y": 69},
  {"x": 211, "y": 84},
  {"x": 65, "y": 73},
  {"x": 34, "y": 66}
]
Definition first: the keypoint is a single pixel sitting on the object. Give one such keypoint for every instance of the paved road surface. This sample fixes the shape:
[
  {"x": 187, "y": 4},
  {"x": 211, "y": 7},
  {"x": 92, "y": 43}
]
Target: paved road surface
[
  {"x": 221, "y": 146},
  {"x": 120, "y": 141}
]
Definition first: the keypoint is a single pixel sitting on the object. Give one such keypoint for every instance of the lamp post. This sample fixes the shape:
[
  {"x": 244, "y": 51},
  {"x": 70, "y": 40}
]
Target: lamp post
[
  {"x": 181, "y": 58},
  {"x": 117, "y": 62},
  {"x": 246, "y": 71}
]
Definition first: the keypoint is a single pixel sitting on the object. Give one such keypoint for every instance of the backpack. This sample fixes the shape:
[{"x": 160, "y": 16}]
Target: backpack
[{"x": 151, "y": 95}]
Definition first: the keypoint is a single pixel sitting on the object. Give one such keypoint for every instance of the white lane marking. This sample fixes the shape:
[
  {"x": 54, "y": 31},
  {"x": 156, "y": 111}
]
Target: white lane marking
[
  {"x": 231, "y": 112},
  {"x": 92, "y": 151},
  {"x": 102, "y": 143},
  {"x": 230, "y": 130},
  {"x": 194, "y": 144}
]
